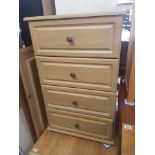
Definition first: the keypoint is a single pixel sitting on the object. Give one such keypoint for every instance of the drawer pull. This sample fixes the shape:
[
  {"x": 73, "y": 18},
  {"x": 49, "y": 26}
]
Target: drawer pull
[
  {"x": 75, "y": 103},
  {"x": 70, "y": 39},
  {"x": 73, "y": 75},
  {"x": 77, "y": 126}
]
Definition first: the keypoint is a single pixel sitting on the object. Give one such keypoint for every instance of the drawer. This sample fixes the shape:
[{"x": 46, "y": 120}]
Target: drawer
[
  {"x": 99, "y": 129},
  {"x": 86, "y": 73},
  {"x": 92, "y": 103},
  {"x": 98, "y": 37}
]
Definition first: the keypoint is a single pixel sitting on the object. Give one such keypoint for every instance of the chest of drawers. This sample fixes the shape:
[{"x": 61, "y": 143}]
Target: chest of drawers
[{"x": 78, "y": 60}]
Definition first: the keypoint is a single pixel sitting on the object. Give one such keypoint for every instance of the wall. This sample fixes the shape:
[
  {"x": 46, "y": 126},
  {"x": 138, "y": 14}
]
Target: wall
[
  {"x": 84, "y": 6},
  {"x": 25, "y": 139}
]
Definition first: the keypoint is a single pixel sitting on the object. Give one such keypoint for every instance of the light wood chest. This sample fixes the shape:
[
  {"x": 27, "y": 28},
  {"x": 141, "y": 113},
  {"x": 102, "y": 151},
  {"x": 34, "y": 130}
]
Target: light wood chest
[{"x": 78, "y": 62}]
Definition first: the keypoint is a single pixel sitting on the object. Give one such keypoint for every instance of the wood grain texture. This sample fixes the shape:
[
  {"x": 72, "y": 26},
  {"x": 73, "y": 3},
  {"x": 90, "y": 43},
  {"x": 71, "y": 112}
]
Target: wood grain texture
[
  {"x": 25, "y": 107},
  {"x": 81, "y": 15},
  {"x": 126, "y": 116},
  {"x": 65, "y": 122},
  {"x": 51, "y": 143},
  {"x": 97, "y": 74},
  {"x": 80, "y": 115},
  {"x": 126, "y": 112},
  {"x": 98, "y": 105},
  {"x": 83, "y": 37},
  {"x": 92, "y": 137},
  {"x": 98, "y": 37},
  {"x": 128, "y": 141},
  {"x": 130, "y": 64},
  {"x": 88, "y": 127},
  {"x": 76, "y": 67},
  {"x": 29, "y": 76}
]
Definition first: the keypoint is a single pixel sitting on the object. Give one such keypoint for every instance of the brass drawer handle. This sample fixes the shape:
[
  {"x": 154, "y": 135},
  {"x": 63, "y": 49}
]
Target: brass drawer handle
[
  {"x": 73, "y": 75},
  {"x": 77, "y": 126},
  {"x": 75, "y": 103},
  {"x": 69, "y": 39}
]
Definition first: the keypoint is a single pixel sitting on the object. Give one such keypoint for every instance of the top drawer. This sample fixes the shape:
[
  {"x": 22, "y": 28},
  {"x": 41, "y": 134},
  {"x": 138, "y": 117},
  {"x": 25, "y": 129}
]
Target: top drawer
[{"x": 91, "y": 37}]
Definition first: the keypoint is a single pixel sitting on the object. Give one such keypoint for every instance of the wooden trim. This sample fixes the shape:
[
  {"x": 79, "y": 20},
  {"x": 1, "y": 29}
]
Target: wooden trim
[
  {"x": 85, "y": 83},
  {"x": 130, "y": 65},
  {"x": 126, "y": 112},
  {"x": 24, "y": 105},
  {"x": 30, "y": 79},
  {"x": 131, "y": 85},
  {"x": 85, "y": 15}
]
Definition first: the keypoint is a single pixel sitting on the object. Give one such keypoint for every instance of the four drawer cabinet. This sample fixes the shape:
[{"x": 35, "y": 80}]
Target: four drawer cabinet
[{"x": 78, "y": 61}]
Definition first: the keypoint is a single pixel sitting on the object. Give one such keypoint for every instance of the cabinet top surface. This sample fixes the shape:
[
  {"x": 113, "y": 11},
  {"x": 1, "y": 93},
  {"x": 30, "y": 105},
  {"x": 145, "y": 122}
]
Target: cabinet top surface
[{"x": 72, "y": 16}]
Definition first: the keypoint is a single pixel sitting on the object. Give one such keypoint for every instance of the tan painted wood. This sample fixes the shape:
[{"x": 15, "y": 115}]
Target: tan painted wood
[
  {"x": 99, "y": 37},
  {"x": 79, "y": 90},
  {"x": 99, "y": 74},
  {"x": 103, "y": 106},
  {"x": 84, "y": 15},
  {"x": 51, "y": 143},
  {"x": 79, "y": 70},
  {"x": 84, "y": 37},
  {"x": 68, "y": 120},
  {"x": 29, "y": 76},
  {"x": 74, "y": 124},
  {"x": 36, "y": 88},
  {"x": 85, "y": 116},
  {"x": 24, "y": 105}
]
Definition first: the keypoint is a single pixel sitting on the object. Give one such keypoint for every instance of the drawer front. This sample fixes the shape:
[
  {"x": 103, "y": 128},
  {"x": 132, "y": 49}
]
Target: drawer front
[
  {"x": 98, "y": 105},
  {"x": 79, "y": 72},
  {"x": 99, "y": 129},
  {"x": 56, "y": 38}
]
